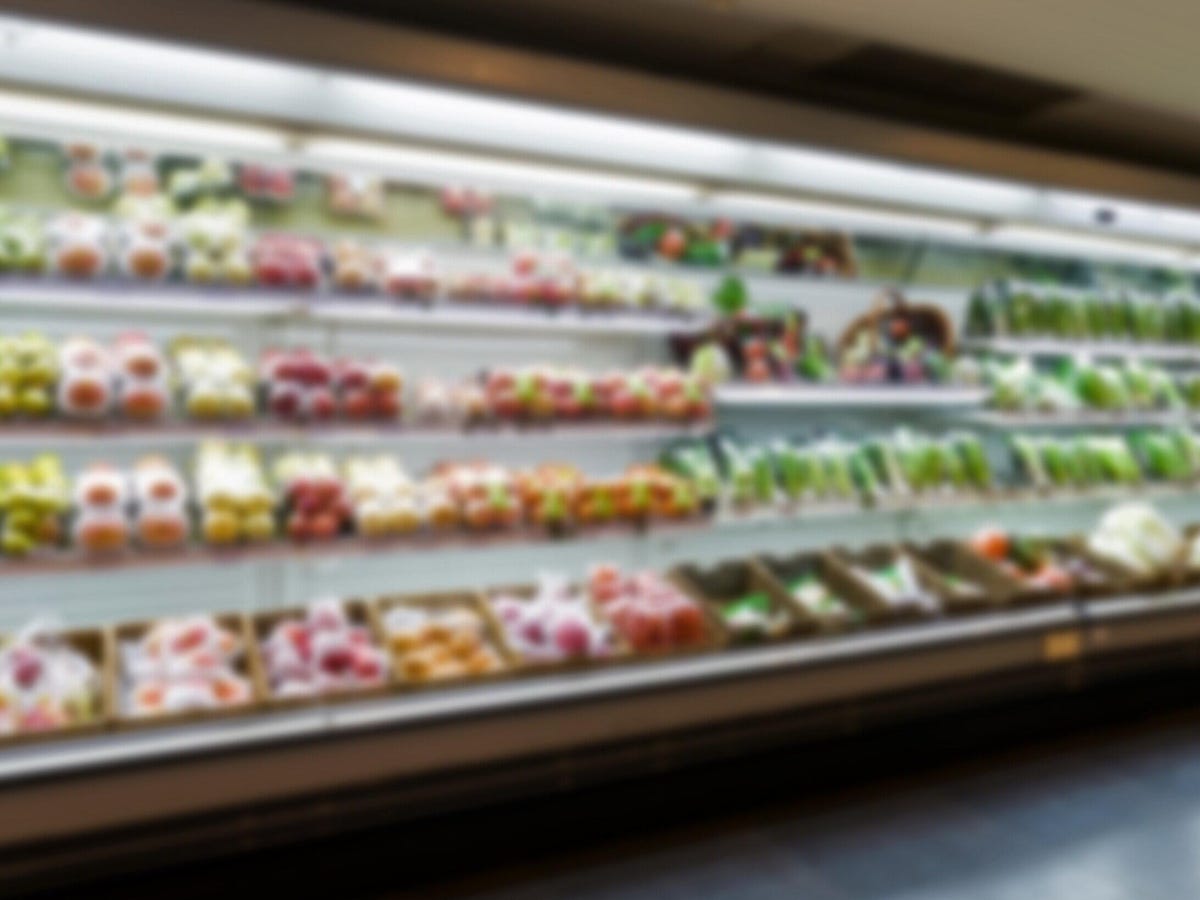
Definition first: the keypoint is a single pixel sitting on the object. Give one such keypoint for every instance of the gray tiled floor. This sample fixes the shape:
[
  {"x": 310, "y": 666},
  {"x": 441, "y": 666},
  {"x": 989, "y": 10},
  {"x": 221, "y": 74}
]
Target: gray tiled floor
[{"x": 1117, "y": 817}]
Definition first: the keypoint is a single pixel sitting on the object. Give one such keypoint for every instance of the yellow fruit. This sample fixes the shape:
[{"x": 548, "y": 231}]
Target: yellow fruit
[
  {"x": 34, "y": 401},
  {"x": 220, "y": 527},
  {"x": 258, "y": 526}
]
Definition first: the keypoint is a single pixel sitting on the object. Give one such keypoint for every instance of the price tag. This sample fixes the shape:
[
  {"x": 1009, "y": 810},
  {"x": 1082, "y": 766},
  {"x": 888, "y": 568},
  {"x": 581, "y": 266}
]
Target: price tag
[{"x": 1062, "y": 645}]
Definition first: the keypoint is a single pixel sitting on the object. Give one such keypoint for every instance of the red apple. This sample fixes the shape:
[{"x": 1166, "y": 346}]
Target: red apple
[
  {"x": 285, "y": 400},
  {"x": 358, "y": 404},
  {"x": 386, "y": 404},
  {"x": 321, "y": 405}
]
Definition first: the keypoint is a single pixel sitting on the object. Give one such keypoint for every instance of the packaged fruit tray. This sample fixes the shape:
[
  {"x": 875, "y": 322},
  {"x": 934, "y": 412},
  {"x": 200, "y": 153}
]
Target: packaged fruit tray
[
  {"x": 244, "y": 666},
  {"x": 743, "y": 602},
  {"x": 824, "y": 598},
  {"x": 454, "y": 630},
  {"x": 93, "y": 644},
  {"x": 309, "y": 658},
  {"x": 896, "y": 586},
  {"x": 655, "y": 614},
  {"x": 543, "y": 638}
]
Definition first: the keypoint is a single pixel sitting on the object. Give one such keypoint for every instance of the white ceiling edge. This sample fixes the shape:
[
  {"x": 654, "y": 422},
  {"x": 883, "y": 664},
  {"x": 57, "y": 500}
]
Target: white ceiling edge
[{"x": 319, "y": 105}]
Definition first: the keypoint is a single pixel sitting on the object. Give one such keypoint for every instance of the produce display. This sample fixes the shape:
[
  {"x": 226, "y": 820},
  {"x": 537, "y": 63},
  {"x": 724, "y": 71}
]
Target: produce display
[
  {"x": 315, "y": 506},
  {"x": 1019, "y": 310},
  {"x": 235, "y": 502},
  {"x": 1044, "y": 566},
  {"x": 34, "y": 499},
  {"x": 29, "y": 371},
  {"x": 101, "y": 500},
  {"x": 1087, "y": 460},
  {"x": 194, "y": 233},
  {"x": 711, "y": 243},
  {"x": 820, "y": 602},
  {"x": 177, "y": 666},
  {"x": 748, "y": 474},
  {"x": 215, "y": 382},
  {"x": 553, "y": 621},
  {"x": 542, "y": 393},
  {"x": 202, "y": 664},
  {"x": 208, "y": 380},
  {"x": 161, "y": 518},
  {"x": 87, "y": 379},
  {"x": 321, "y": 650},
  {"x": 1136, "y": 537},
  {"x": 383, "y": 498},
  {"x": 649, "y": 613},
  {"x": 212, "y": 229},
  {"x": 441, "y": 639},
  {"x": 311, "y": 496},
  {"x": 894, "y": 581},
  {"x": 1084, "y": 385},
  {"x": 48, "y": 681}
]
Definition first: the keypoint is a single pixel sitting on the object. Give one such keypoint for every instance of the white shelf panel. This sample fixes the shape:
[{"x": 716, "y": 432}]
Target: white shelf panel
[
  {"x": 465, "y": 317},
  {"x": 1054, "y": 347},
  {"x": 1083, "y": 419},
  {"x": 173, "y": 435},
  {"x": 130, "y": 301},
  {"x": 857, "y": 397},
  {"x": 188, "y": 303}
]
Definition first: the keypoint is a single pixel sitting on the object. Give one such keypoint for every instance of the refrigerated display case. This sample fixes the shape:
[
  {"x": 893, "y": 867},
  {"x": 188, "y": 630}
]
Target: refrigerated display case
[{"x": 283, "y": 346}]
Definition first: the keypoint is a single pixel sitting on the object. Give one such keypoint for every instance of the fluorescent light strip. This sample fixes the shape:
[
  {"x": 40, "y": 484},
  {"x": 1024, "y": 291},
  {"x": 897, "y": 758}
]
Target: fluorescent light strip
[
  {"x": 863, "y": 219},
  {"x": 78, "y": 119},
  {"x": 435, "y": 166},
  {"x": 1053, "y": 242},
  {"x": 803, "y": 169},
  {"x": 1134, "y": 220}
]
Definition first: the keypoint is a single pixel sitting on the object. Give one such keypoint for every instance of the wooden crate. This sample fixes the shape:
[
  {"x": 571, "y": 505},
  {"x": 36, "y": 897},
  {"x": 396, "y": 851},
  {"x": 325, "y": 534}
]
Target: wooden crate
[
  {"x": 262, "y": 624},
  {"x": 236, "y": 623},
  {"x": 471, "y": 601},
  {"x": 93, "y": 643},
  {"x": 715, "y": 586},
  {"x": 955, "y": 558},
  {"x": 1186, "y": 574},
  {"x": 880, "y": 609},
  {"x": 785, "y": 569},
  {"x": 524, "y": 665},
  {"x": 1117, "y": 579}
]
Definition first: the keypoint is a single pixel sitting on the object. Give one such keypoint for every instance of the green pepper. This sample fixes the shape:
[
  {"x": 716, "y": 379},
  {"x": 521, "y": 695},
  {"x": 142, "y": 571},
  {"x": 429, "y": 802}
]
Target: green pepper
[
  {"x": 976, "y": 469},
  {"x": 1029, "y": 459}
]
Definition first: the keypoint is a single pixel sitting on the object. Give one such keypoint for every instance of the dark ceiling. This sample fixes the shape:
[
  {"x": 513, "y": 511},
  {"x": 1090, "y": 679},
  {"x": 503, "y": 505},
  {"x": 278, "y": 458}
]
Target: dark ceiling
[{"x": 713, "y": 42}]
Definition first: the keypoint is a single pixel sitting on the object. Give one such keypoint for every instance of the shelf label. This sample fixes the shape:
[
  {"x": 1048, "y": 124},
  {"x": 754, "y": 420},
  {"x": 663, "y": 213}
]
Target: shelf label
[{"x": 1058, "y": 646}]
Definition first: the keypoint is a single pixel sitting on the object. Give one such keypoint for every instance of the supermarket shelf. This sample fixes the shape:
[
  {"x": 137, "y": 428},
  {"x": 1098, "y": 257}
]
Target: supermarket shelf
[
  {"x": 827, "y": 304},
  {"x": 1083, "y": 419},
  {"x": 177, "y": 434},
  {"x": 123, "y": 301},
  {"x": 349, "y": 547},
  {"x": 858, "y": 397},
  {"x": 783, "y": 520},
  {"x": 1054, "y": 347},
  {"x": 429, "y": 737},
  {"x": 490, "y": 320},
  {"x": 423, "y": 707}
]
